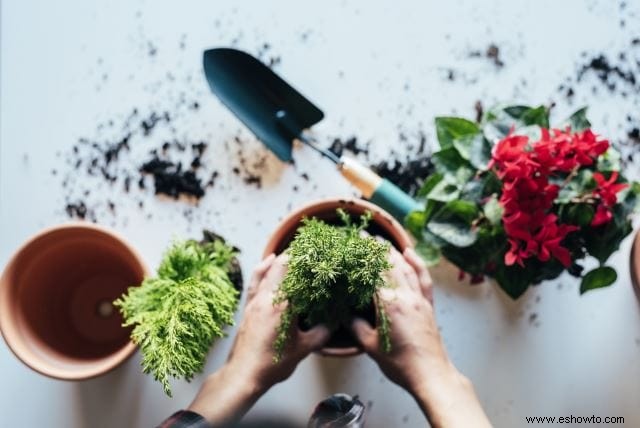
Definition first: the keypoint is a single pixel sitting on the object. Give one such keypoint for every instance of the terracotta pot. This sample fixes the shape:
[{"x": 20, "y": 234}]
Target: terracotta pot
[
  {"x": 635, "y": 263},
  {"x": 55, "y": 301},
  {"x": 382, "y": 224}
]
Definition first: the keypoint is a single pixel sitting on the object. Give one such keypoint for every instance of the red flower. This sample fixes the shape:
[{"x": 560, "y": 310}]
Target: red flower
[
  {"x": 544, "y": 243},
  {"x": 525, "y": 169},
  {"x": 589, "y": 144},
  {"x": 518, "y": 252},
  {"x": 602, "y": 216},
  {"x": 509, "y": 149},
  {"x": 607, "y": 189},
  {"x": 549, "y": 238},
  {"x": 563, "y": 151}
]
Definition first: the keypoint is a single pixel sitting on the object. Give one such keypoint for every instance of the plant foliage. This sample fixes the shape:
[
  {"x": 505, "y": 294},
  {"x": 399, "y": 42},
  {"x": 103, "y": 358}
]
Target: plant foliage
[
  {"x": 332, "y": 271},
  {"x": 519, "y": 202},
  {"x": 177, "y": 315}
]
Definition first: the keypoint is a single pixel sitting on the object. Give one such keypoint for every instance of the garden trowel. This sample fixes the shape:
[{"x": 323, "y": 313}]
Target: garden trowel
[{"x": 278, "y": 115}]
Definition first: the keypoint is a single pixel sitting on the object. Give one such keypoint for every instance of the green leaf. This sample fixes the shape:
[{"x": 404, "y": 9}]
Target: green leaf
[
  {"x": 602, "y": 241},
  {"x": 459, "y": 210},
  {"x": 516, "y": 112},
  {"x": 536, "y": 116},
  {"x": 452, "y": 223},
  {"x": 488, "y": 250},
  {"x": 566, "y": 194},
  {"x": 455, "y": 234},
  {"x": 501, "y": 120},
  {"x": 630, "y": 197},
  {"x": 429, "y": 184},
  {"x": 472, "y": 190},
  {"x": 580, "y": 184},
  {"x": 449, "y": 129},
  {"x": 430, "y": 207},
  {"x": 602, "y": 276},
  {"x": 429, "y": 252},
  {"x": 474, "y": 148},
  {"x": 448, "y": 161},
  {"x": 609, "y": 161},
  {"x": 493, "y": 210},
  {"x": 577, "y": 121},
  {"x": 491, "y": 183},
  {"x": 513, "y": 280},
  {"x": 534, "y": 132},
  {"x": 444, "y": 191},
  {"x": 415, "y": 222},
  {"x": 580, "y": 214}
]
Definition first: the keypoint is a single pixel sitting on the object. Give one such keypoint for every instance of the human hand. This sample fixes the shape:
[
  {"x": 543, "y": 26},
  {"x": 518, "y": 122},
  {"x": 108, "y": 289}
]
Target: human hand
[
  {"x": 418, "y": 361},
  {"x": 253, "y": 348},
  {"x": 416, "y": 346},
  {"x": 250, "y": 369}
]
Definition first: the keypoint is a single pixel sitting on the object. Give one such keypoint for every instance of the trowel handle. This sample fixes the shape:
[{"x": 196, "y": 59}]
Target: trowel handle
[{"x": 378, "y": 190}]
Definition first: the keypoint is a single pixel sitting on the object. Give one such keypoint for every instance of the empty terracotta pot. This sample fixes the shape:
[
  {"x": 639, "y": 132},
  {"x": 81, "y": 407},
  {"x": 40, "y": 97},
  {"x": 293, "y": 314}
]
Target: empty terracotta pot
[
  {"x": 55, "y": 301},
  {"x": 342, "y": 342}
]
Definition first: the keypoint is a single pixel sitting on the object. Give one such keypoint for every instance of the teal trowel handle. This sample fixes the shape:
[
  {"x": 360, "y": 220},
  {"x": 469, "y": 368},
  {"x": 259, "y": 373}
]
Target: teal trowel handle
[{"x": 378, "y": 190}]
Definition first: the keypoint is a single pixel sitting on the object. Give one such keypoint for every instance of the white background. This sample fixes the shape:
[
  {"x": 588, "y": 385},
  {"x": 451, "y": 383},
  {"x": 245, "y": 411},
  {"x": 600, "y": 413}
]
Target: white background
[{"x": 374, "y": 68}]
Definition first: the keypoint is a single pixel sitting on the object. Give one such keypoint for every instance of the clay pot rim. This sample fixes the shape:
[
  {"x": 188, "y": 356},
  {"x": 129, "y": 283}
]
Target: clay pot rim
[
  {"x": 401, "y": 237},
  {"x": 96, "y": 367}
]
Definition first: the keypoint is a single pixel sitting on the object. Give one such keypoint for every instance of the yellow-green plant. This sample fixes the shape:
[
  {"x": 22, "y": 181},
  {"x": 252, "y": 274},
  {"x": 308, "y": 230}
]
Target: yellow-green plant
[
  {"x": 332, "y": 271},
  {"x": 177, "y": 315}
]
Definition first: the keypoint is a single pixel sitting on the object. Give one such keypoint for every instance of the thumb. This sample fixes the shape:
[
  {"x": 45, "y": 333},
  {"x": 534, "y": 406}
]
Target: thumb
[
  {"x": 366, "y": 335},
  {"x": 314, "y": 338}
]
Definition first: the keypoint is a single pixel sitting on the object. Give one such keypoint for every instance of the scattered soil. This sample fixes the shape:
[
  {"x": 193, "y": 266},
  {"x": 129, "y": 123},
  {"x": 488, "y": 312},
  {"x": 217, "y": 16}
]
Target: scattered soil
[
  {"x": 148, "y": 149},
  {"x": 630, "y": 145},
  {"x": 408, "y": 174},
  {"x": 408, "y": 171},
  {"x": 615, "y": 72},
  {"x": 107, "y": 159},
  {"x": 254, "y": 163},
  {"x": 170, "y": 179},
  {"x": 492, "y": 53},
  {"x": 78, "y": 210},
  {"x": 611, "y": 75},
  {"x": 479, "y": 109},
  {"x": 265, "y": 54},
  {"x": 351, "y": 144}
]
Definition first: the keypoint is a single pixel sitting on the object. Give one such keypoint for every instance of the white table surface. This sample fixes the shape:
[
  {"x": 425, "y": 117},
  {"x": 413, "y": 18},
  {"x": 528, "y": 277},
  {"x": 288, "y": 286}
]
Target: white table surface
[{"x": 373, "y": 67}]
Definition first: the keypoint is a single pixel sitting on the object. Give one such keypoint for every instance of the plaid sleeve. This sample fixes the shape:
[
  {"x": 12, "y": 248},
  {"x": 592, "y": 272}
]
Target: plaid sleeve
[{"x": 185, "y": 419}]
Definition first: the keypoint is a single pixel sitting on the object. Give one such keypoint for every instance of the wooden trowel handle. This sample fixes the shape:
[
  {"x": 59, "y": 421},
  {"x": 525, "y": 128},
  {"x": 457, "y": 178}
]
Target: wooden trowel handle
[{"x": 378, "y": 190}]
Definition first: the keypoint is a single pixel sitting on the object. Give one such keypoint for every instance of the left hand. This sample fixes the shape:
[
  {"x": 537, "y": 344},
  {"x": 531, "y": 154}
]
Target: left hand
[
  {"x": 250, "y": 369},
  {"x": 253, "y": 350}
]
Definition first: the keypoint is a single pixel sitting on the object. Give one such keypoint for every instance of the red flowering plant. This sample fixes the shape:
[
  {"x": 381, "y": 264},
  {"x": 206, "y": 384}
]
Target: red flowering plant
[{"x": 518, "y": 201}]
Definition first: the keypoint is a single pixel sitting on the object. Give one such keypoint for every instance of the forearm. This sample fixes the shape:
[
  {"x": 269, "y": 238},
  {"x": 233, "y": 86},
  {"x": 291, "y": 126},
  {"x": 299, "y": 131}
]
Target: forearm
[
  {"x": 226, "y": 396},
  {"x": 447, "y": 398}
]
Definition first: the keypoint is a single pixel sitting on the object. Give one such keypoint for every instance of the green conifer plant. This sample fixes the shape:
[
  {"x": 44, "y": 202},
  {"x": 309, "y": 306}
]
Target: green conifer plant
[
  {"x": 177, "y": 315},
  {"x": 333, "y": 270}
]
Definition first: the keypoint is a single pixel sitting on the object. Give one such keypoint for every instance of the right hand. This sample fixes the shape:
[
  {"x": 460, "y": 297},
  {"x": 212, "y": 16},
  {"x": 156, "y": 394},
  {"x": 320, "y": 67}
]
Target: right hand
[
  {"x": 418, "y": 361},
  {"x": 416, "y": 346}
]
